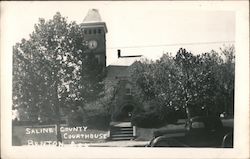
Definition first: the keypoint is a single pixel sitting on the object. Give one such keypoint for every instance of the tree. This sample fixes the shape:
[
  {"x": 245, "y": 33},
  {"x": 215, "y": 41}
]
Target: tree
[
  {"x": 52, "y": 72},
  {"x": 199, "y": 84},
  {"x": 157, "y": 82},
  {"x": 226, "y": 79},
  {"x": 198, "y": 80}
]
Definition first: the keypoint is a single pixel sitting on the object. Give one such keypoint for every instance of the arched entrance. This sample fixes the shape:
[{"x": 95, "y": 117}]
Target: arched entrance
[{"x": 126, "y": 112}]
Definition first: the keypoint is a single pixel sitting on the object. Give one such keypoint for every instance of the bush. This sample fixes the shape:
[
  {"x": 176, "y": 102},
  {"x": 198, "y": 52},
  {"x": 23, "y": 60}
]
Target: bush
[
  {"x": 75, "y": 118},
  {"x": 148, "y": 120},
  {"x": 100, "y": 122},
  {"x": 171, "y": 116}
]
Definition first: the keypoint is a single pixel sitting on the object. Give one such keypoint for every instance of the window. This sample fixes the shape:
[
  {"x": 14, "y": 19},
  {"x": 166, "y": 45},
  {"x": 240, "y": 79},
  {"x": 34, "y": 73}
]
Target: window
[
  {"x": 99, "y": 31},
  {"x": 90, "y": 31},
  {"x": 85, "y": 32},
  {"x": 98, "y": 58},
  {"x": 128, "y": 88},
  {"x": 94, "y": 31}
]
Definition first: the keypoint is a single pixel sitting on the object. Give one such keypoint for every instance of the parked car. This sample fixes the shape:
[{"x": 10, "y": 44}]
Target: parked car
[{"x": 200, "y": 131}]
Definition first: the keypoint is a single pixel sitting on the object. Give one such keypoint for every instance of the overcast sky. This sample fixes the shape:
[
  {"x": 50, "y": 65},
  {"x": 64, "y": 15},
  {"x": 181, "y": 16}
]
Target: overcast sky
[{"x": 144, "y": 28}]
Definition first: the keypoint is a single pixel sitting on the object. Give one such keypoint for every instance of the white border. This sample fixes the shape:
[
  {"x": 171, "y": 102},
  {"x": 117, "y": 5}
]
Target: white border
[{"x": 241, "y": 149}]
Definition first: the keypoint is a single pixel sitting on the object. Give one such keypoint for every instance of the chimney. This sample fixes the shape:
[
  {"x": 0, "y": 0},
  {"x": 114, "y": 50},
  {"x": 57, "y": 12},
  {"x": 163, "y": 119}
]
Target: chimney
[{"x": 119, "y": 53}]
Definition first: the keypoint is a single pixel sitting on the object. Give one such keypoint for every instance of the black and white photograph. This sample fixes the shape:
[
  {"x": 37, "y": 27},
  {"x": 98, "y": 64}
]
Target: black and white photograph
[{"x": 129, "y": 75}]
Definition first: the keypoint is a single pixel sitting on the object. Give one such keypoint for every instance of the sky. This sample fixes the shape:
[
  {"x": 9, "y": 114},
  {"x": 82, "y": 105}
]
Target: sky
[{"x": 136, "y": 28}]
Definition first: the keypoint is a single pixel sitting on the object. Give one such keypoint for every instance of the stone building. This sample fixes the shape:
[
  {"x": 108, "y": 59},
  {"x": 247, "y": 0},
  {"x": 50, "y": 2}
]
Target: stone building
[{"x": 117, "y": 75}]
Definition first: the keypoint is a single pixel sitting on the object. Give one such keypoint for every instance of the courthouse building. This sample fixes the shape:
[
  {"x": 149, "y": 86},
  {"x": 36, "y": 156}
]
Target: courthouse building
[{"x": 95, "y": 31}]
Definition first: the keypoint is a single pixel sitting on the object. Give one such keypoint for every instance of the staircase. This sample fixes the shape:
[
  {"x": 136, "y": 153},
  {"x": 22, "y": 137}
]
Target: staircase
[{"x": 122, "y": 131}]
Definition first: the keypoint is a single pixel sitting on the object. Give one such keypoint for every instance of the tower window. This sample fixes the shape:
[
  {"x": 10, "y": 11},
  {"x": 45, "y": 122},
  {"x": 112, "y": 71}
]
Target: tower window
[{"x": 98, "y": 58}]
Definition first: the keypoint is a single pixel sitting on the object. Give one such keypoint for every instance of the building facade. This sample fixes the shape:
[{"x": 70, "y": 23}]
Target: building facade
[{"x": 123, "y": 103}]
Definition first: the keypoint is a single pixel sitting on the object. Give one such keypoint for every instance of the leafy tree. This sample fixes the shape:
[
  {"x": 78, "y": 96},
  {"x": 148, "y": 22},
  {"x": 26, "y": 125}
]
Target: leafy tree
[
  {"x": 208, "y": 81},
  {"x": 198, "y": 84},
  {"x": 198, "y": 80},
  {"x": 51, "y": 71},
  {"x": 225, "y": 78},
  {"x": 142, "y": 74},
  {"x": 157, "y": 82}
]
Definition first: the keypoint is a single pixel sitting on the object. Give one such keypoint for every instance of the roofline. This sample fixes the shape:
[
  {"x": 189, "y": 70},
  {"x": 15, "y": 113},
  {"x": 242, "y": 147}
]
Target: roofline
[
  {"x": 118, "y": 66},
  {"x": 95, "y": 24}
]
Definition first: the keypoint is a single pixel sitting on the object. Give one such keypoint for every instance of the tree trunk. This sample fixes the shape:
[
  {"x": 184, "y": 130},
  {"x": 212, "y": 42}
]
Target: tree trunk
[
  {"x": 58, "y": 134},
  {"x": 58, "y": 118},
  {"x": 188, "y": 112}
]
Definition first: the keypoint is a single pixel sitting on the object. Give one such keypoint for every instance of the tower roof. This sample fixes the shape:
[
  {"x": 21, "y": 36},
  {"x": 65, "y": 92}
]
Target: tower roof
[
  {"x": 93, "y": 19},
  {"x": 92, "y": 16}
]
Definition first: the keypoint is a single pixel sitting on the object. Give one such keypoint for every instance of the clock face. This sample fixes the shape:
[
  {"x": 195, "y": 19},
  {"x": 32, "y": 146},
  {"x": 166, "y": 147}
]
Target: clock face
[{"x": 92, "y": 44}]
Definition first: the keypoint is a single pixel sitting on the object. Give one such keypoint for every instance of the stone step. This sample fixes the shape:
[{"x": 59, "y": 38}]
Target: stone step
[
  {"x": 122, "y": 138},
  {"x": 122, "y": 128},
  {"x": 122, "y": 135},
  {"x": 121, "y": 132},
  {"x": 121, "y": 124}
]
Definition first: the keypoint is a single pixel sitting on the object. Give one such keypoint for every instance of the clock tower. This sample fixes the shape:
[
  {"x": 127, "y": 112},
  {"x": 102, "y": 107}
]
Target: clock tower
[{"x": 95, "y": 36}]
